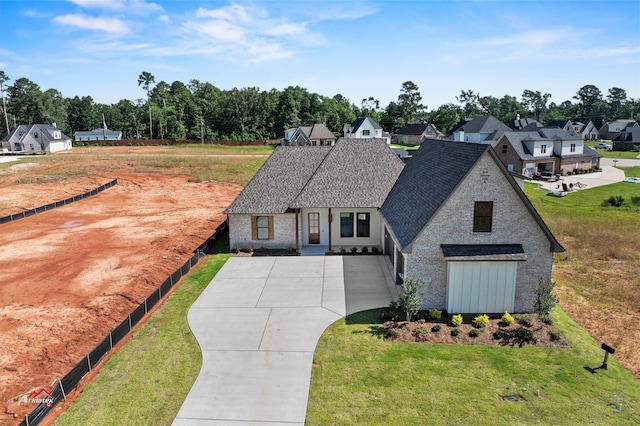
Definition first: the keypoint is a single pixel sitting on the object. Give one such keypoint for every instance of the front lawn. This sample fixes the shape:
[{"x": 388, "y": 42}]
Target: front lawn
[{"x": 359, "y": 378}]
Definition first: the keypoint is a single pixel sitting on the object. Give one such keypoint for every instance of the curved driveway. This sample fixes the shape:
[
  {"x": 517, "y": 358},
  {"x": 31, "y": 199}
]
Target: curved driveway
[{"x": 258, "y": 323}]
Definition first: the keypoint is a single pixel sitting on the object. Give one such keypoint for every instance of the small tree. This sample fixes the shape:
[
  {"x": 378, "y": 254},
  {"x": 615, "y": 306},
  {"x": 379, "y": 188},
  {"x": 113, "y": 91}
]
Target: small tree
[
  {"x": 545, "y": 299},
  {"x": 410, "y": 299}
]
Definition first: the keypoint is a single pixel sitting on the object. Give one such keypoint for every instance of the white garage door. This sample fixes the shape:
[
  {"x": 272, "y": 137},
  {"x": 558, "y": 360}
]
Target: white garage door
[{"x": 481, "y": 287}]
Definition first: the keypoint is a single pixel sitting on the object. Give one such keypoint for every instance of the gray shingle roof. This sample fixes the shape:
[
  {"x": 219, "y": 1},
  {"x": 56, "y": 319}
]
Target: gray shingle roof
[
  {"x": 483, "y": 251},
  {"x": 484, "y": 124},
  {"x": 321, "y": 131},
  {"x": 276, "y": 184},
  {"x": 355, "y": 173},
  {"x": 412, "y": 129},
  {"x": 428, "y": 180}
]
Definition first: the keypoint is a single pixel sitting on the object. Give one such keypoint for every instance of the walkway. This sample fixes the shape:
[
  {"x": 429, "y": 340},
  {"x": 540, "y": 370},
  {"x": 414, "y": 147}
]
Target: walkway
[{"x": 258, "y": 323}]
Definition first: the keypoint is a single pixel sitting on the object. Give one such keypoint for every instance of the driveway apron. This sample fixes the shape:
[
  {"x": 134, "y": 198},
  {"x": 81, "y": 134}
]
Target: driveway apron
[{"x": 258, "y": 323}]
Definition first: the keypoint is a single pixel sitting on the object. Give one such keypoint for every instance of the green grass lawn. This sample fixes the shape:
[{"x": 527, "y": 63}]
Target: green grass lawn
[
  {"x": 612, "y": 154},
  {"x": 147, "y": 380},
  {"x": 358, "y": 378}
]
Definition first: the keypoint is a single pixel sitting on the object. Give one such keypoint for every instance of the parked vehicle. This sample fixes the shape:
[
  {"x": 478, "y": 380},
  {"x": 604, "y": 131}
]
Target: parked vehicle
[
  {"x": 603, "y": 145},
  {"x": 632, "y": 180}
]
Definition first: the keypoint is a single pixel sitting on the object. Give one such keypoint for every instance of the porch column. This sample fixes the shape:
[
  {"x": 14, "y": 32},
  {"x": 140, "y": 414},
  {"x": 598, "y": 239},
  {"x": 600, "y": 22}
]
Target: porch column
[{"x": 330, "y": 219}]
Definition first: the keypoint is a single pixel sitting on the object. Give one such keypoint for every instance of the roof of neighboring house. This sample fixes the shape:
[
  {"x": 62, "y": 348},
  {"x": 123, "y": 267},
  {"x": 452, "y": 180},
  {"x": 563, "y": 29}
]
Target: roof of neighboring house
[
  {"x": 352, "y": 173},
  {"x": 428, "y": 180},
  {"x": 97, "y": 132},
  {"x": 558, "y": 123},
  {"x": 524, "y": 123},
  {"x": 355, "y": 173},
  {"x": 549, "y": 134},
  {"x": 45, "y": 129},
  {"x": 276, "y": 184},
  {"x": 412, "y": 129},
  {"x": 315, "y": 132},
  {"x": 483, "y": 124},
  {"x": 358, "y": 122}
]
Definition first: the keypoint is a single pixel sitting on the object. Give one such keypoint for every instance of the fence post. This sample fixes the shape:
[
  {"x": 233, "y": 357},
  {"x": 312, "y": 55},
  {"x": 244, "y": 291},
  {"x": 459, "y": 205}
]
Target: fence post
[
  {"x": 64, "y": 394},
  {"x": 89, "y": 362}
]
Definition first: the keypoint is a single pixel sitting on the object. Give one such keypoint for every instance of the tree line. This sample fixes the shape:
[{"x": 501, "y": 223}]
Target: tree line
[{"x": 200, "y": 110}]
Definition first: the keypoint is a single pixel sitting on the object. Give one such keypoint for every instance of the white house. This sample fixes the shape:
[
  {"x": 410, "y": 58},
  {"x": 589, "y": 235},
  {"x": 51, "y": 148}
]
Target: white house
[
  {"x": 36, "y": 139},
  {"x": 365, "y": 128}
]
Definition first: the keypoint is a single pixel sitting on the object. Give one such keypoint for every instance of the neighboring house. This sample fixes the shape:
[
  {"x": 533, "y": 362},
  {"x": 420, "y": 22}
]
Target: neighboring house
[
  {"x": 611, "y": 131},
  {"x": 565, "y": 125},
  {"x": 36, "y": 139},
  {"x": 103, "y": 134},
  {"x": 365, "y": 128},
  {"x": 415, "y": 133},
  {"x": 323, "y": 197},
  {"x": 316, "y": 135},
  {"x": 479, "y": 129},
  {"x": 549, "y": 150},
  {"x": 628, "y": 139},
  {"x": 458, "y": 222},
  {"x": 524, "y": 124},
  {"x": 586, "y": 131}
]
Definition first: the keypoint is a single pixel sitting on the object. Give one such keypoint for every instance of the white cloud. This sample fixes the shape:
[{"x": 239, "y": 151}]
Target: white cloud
[
  {"x": 134, "y": 7},
  {"x": 100, "y": 4},
  {"x": 110, "y": 25}
]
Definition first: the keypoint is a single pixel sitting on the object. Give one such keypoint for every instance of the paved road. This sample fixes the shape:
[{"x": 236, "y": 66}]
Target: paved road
[{"x": 258, "y": 323}]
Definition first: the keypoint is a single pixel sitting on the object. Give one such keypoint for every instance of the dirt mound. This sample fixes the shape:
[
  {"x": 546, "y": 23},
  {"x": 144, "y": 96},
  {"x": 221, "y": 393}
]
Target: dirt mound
[{"x": 70, "y": 275}]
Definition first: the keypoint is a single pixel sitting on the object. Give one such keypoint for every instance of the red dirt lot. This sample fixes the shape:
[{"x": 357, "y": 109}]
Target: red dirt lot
[{"x": 68, "y": 276}]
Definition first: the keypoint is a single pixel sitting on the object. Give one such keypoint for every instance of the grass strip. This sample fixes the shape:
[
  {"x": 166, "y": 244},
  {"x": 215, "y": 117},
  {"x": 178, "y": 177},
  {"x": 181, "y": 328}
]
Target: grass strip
[
  {"x": 148, "y": 379},
  {"x": 358, "y": 378}
]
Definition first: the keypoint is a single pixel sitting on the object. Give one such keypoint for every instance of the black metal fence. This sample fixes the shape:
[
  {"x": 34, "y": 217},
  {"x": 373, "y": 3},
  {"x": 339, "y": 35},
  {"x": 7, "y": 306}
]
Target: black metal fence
[
  {"x": 89, "y": 361},
  {"x": 52, "y": 206}
]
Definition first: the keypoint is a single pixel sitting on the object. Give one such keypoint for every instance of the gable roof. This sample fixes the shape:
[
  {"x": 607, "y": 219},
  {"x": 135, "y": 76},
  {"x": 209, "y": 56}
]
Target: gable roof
[
  {"x": 276, "y": 184},
  {"x": 24, "y": 130},
  {"x": 352, "y": 173},
  {"x": 320, "y": 131},
  {"x": 355, "y": 173},
  {"x": 483, "y": 124},
  {"x": 412, "y": 129},
  {"x": 429, "y": 179},
  {"x": 358, "y": 122}
]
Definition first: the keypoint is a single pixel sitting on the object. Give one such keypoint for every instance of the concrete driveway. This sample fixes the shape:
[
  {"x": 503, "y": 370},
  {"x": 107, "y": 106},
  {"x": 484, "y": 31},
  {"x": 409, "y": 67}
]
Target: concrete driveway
[{"x": 258, "y": 323}]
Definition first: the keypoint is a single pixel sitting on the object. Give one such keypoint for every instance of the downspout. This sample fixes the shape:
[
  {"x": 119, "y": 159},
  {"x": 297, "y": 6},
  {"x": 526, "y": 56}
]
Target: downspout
[
  {"x": 297, "y": 231},
  {"x": 330, "y": 218}
]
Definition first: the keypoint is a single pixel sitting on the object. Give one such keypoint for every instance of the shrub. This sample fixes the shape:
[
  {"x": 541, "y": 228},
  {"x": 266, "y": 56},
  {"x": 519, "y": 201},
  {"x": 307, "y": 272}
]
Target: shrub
[
  {"x": 354, "y": 250},
  {"x": 436, "y": 328},
  {"x": 525, "y": 320},
  {"x": 365, "y": 250},
  {"x": 392, "y": 332},
  {"x": 343, "y": 250},
  {"x": 474, "y": 332},
  {"x": 238, "y": 250},
  {"x": 481, "y": 321},
  {"x": 506, "y": 320},
  {"x": 455, "y": 331},
  {"x": 613, "y": 201},
  {"x": 456, "y": 320},
  {"x": 375, "y": 249},
  {"x": 435, "y": 314},
  {"x": 545, "y": 299},
  {"x": 410, "y": 299},
  {"x": 499, "y": 334},
  {"x": 555, "y": 335},
  {"x": 250, "y": 249},
  {"x": 421, "y": 334},
  {"x": 524, "y": 335}
]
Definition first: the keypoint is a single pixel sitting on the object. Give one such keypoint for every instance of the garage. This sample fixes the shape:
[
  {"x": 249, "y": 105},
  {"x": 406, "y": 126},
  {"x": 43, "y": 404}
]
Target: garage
[{"x": 482, "y": 278}]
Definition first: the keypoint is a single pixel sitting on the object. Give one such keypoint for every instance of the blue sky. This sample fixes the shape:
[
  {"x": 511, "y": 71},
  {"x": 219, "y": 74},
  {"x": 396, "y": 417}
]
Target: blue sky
[{"x": 98, "y": 48}]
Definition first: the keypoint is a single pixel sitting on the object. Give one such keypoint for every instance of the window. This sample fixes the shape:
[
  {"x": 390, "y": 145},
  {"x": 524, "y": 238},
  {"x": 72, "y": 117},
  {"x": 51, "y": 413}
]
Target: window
[
  {"x": 482, "y": 216},
  {"x": 573, "y": 147},
  {"x": 543, "y": 149},
  {"x": 346, "y": 225},
  {"x": 262, "y": 227},
  {"x": 504, "y": 149},
  {"x": 366, "y": 132},
  {"x": 362, "y": 224}
]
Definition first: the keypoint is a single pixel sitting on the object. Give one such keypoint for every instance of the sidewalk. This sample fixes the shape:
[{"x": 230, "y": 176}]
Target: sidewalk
[{"x": 608, "y": 176}]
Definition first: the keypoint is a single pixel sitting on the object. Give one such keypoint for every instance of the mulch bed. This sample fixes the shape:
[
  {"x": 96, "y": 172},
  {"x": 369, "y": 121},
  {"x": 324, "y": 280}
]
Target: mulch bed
[{"x": 519, "y": 333}]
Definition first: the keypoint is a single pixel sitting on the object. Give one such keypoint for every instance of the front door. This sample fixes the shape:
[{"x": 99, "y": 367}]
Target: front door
[{"x": 314, "y": 228}]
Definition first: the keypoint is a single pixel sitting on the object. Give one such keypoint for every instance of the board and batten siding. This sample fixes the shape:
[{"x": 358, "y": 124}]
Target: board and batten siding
[{"x": 487, "y": 287}]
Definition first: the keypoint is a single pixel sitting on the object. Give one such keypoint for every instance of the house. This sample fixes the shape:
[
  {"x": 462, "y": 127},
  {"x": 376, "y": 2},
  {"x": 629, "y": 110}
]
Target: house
[
  {"x": 546, "y": 151},
  {"x": 324, "y": 197},
  {"x": 102, "y": 134},
  {"x": 365, "y": 128},
  {"x": 479, "y": 129},
  {"x": 628, "y": 139},
  {"x": 316, "y": 135},
  {"x": 36, "y": 139},
  {"x": 611, "y": 131},
  {"x": 415, "y": 133},
  {"x": 586, "y": 131},
  {"x": 458, "y": 222},
  {"x": 565, "y": 125}
]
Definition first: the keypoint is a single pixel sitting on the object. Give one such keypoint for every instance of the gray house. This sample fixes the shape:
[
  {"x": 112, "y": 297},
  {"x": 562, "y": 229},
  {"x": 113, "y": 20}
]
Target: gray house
[
  {"x": 36, "y": 139},
  {"x": 457, "y": 221},
  {"x": 479, "y": 129},
  {"x": 316, "y": 198},
  {"x": 316, "y": 135}
]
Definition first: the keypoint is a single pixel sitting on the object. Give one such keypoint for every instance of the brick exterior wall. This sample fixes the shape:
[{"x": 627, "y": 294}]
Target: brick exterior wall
[
  {"x": 453, "y": 224},
  {"x": 284, "y": 232}
]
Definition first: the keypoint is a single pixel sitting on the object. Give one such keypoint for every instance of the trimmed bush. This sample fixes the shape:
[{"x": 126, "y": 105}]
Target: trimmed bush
[
  {"x": 455, "y": 331},
  {"x": 456, "y": 320},
  {"x": 436, "y": 328},
  {"x": 474, "y": 332},
  {"x": 435, "y": 314},
  {"x": 499, "y": 334},
  {"x": 506, "y": 320},
  {"x": 481, "y": 321},
  {"x": 555, "y": 335},
  {"x": 525, "y": 320}
]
